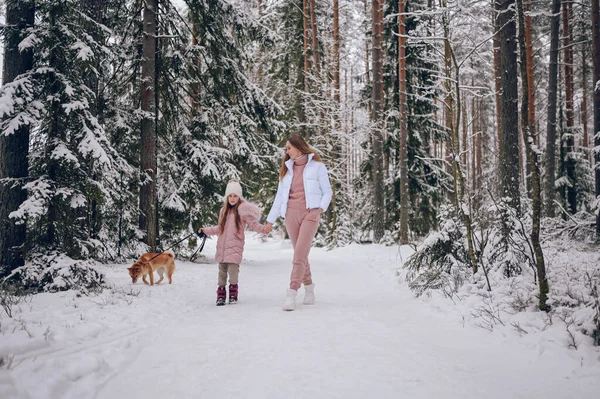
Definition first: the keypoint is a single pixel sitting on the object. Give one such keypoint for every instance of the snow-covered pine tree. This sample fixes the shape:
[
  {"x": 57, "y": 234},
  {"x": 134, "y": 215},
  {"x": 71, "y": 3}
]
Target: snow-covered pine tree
[
  {"x": 425, "y": 173},
  {"x": 225, "y": 123},
  {"x": 69, "y": 150},
  {"x": 17, "y": 83},
  {"x": 118, "y": 113}
]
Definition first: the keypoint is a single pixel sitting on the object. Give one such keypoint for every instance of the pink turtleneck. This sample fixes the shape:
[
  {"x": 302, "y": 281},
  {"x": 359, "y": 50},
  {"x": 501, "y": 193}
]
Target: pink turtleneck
[{"x": 297, "y": 198}]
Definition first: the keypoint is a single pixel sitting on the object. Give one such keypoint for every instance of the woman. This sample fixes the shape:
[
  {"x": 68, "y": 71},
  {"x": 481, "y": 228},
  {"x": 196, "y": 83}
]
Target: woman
[{"x": 303, "y": 193}]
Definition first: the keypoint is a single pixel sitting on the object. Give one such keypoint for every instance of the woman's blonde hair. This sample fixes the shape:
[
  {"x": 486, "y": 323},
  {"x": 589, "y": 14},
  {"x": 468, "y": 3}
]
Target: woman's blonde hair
[{"x": 297, "y": 141}]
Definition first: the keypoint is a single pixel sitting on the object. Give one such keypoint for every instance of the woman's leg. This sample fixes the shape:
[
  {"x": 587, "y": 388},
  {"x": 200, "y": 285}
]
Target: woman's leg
[{"x": 301, "y": 225}]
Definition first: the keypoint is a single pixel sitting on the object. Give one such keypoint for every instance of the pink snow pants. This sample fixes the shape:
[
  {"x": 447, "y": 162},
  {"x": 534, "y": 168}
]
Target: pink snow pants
[{"x": 301, "y": 225}]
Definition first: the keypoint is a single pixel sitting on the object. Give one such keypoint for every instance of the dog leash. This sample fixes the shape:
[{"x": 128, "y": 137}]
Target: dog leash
[
  {"x": 184, "y": 238},
  {"x": 201, "y": 247}
]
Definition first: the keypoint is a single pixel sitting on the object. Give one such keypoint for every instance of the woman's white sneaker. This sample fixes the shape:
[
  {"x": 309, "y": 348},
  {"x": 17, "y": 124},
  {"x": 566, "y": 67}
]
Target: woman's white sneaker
[
  {"x": 290, "y": 300},
  {"x": 309, "y": 295}
]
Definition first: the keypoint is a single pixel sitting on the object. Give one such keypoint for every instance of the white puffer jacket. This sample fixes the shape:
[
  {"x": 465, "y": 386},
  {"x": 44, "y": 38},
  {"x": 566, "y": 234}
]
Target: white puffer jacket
[{"x": 316, "y": 188}]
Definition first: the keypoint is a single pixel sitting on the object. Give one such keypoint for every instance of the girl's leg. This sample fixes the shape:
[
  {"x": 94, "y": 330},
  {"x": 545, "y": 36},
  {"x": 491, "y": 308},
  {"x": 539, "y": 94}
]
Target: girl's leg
[
  {"x": 221, "y": 293},
  {"x": 223, "y": 274},
  {"x": 234, "y": 273}
]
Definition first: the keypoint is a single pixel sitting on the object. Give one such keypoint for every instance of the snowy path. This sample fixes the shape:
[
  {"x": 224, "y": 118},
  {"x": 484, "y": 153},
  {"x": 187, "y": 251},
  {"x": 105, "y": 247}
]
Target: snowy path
[{"x": 367, "y": 337}]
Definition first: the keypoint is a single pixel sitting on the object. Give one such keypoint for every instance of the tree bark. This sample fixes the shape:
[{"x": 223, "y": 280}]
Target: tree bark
[
  {"x": 528, "y": 118},
  {"x": 481, "y": 124},
  {"x": 509, "y": 137},
  {"x": 596, "y": 88},
  {"x": 337, "y": 148},
  {"x": 552, "y": 104},
  {"x": 474, "y": 134},
  {"x": 336, "y": 51},
  {"x": 14, "y": 148},
  {"x": 532, "y": 159},
  {"x": 584, "y": 100},
  {"x": 449, "y": 99},
  {"x": 496, "y": 42},
  {"x": 464, "y": 152},
  {"x": 315, "y": 39},
  {"x": 377, "y": 100},
  {"x": 305, "y": 16},
  {"x": 148, "y": 219},
  {"x": 367, "y": 63},
  {"x": 569, "y": 140},
  {"x": 530, "y": 75},
  {"x": 402, "y": 109}
]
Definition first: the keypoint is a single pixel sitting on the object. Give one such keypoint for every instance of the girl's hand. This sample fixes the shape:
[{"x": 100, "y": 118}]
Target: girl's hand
[{"x": 268, "y": 228}]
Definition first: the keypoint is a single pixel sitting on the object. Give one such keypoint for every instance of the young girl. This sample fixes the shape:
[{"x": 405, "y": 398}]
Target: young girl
[{"x": 235, "y": 214}]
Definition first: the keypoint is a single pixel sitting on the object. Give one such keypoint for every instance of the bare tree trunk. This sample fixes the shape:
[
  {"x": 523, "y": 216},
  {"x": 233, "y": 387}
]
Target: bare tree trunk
[
  {"x": 480, "y": 131},
  {"x": 552, "y": 104},
  {"x": 474, "y": 134},
  {"x": 377, "y": 100},
  {"x": 496, "y": 42},
  {"x": 367, "y": 63},
  {"x": 402, "y": 108},
  {"x": 305, "y": 16},
  {"x": 337, "y": 148},
  {"x": 464, "y": 152},
  {"x": 315, "y": 40},
  {"x": 584, "y": 88},
  {"x": 509, "y": 138},
  {"x": 449, "y": 99},
  {"x": 148, "y": 219},
  {"x": 528, "y": 119},
  {"x": 522, "y": 161},
  {"x": 530, "y": 75},
  {"x": 533, "y": 160},
  {"x": 596, "y": 44},
  {"x": 570, "y": 131},
  {"x": 14, "y": 148},
  {"x": 336, "y": 51}
]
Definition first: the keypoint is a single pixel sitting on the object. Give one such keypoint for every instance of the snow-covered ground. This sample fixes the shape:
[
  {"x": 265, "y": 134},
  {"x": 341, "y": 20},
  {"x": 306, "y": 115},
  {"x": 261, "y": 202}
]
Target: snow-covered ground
[{"x": 366, "y": 337}]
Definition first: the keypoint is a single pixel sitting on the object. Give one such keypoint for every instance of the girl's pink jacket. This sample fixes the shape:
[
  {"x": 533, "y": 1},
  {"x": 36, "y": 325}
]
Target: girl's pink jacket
[{"x": 230, "y": 244}]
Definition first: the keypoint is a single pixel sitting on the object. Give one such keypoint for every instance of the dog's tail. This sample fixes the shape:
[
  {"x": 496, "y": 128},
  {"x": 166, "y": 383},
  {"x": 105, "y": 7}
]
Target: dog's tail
[{"x": 170, "y": 253}]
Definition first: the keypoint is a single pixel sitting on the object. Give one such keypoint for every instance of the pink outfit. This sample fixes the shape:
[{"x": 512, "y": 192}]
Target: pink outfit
[
  {"x": 301, "y": 225},
  {"x": 230, "y": 244},
  {"x": 297, "y": 199}
]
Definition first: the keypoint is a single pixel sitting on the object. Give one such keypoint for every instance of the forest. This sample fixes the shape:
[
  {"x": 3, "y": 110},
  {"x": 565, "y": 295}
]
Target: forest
[{"x": 469, "y": 130}]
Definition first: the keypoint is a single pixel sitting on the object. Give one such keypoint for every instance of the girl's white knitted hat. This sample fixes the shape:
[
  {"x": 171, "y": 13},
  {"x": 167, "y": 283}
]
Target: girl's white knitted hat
[{"x": 233, "y": 187}]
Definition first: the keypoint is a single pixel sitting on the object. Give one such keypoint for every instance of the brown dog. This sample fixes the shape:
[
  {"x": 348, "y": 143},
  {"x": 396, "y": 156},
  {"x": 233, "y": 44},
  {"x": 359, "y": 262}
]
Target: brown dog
[{"x": 143, "y": 267}]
